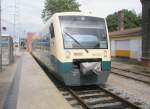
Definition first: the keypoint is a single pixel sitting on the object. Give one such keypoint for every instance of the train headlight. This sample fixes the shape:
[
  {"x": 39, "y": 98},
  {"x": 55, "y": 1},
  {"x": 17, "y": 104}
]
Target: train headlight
[
  {"x": 67, "y": 54},
  {"x": 105, "y": 54}
]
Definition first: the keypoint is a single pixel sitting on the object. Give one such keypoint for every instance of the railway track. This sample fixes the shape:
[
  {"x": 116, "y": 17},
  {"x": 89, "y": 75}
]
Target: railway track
[
  {"x": 95, "y": 97},
  {"x": 91, "y": 97},
  {"x": 141, "y": 77},
  {"x": 127, "y": 70}
]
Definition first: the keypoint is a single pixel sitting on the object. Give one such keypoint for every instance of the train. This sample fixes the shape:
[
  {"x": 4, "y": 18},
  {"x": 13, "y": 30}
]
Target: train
[{"x": 75, "y": 47}]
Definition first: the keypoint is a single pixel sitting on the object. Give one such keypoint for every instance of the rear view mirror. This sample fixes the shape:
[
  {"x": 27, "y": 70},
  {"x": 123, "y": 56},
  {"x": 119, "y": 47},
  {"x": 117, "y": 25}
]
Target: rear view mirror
[{"x": 51, "y": 28}]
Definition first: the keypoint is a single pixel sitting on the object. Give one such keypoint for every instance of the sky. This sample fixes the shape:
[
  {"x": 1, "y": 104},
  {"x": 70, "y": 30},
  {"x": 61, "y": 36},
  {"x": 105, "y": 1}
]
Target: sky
[{"x": 28, "y": 12}]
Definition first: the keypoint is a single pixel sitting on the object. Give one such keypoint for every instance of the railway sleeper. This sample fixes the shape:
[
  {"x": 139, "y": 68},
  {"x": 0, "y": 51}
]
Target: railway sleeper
[
  {"x": 88, "y": 91},
  {"x": 92, "y": 96},
  {"x": 69, "y": 98},
  {"x": 115, "y": 105},
  {"x": 100, "y": 101}
]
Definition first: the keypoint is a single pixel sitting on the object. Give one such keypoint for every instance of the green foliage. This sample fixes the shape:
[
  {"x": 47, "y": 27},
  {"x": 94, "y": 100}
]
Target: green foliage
[
  {"x": 112, "y": 22},
  {"x": 131, "y": 20},
  {"x": 53, "y": 6}
]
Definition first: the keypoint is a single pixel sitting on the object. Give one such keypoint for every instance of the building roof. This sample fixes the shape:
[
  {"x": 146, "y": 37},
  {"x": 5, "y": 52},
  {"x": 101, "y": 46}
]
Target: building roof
[{"x": 125, "y": 33}]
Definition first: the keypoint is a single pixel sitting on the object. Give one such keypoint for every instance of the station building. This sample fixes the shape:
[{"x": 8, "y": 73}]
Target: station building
[{"x": 127, "y": 43}]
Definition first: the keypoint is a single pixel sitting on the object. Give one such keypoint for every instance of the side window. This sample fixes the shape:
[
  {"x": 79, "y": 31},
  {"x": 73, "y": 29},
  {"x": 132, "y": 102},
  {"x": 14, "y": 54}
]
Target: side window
[{"x": 51, "y": 28}]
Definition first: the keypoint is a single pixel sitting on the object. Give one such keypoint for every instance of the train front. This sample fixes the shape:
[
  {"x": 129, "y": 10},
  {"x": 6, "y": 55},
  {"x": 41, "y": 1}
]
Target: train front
[{"x": 86, "y": 48}]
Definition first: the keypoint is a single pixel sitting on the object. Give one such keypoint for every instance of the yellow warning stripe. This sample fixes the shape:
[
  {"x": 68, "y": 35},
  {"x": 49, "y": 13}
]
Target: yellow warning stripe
[{"x": 123, "y": 53}]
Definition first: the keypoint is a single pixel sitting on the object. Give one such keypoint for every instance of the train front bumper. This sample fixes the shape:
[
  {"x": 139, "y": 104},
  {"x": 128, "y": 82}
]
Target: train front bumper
[{"x": 75, "y": 78}]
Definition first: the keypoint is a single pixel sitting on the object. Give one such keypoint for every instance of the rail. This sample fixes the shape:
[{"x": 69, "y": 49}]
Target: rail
[
  {"x": 105, "y": 98},
  {"x": 128, "y": 74},
  {"x": 91, "y": 97}
]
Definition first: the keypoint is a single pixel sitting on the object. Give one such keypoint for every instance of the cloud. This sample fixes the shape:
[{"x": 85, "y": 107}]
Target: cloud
[
  {"x": 105, "y": 7},
  {"x": 28, "y": 16},
  {"x": 31, "y": 13}
]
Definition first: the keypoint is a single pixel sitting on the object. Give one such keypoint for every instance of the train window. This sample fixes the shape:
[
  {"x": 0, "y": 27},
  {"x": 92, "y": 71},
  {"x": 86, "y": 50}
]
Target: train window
[
  {"x": 90, "y": 32},
  {"x": 52, "y": 30}
]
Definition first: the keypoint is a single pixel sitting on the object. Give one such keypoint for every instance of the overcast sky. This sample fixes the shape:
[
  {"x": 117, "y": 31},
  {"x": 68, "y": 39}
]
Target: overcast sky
[{"x": 28, "y": 16}]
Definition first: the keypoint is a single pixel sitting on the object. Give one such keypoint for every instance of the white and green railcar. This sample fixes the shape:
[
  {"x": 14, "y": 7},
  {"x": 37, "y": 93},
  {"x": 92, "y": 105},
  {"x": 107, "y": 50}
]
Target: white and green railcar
[{"x": 75, "y": 47}]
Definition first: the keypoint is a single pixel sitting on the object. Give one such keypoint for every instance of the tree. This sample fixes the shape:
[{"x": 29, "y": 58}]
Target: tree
[
  {"x": 112, "y": 22},
  {"x": 53, "y": 6},
  {"x": 131, "y": 20}
]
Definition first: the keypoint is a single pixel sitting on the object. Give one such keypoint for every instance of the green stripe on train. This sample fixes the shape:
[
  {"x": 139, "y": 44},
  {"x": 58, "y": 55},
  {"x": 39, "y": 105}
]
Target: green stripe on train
[
  {"x": 106, "y": 65},
  {"x": 61, "y": 67},
  {"x": 67, "y": 67}
]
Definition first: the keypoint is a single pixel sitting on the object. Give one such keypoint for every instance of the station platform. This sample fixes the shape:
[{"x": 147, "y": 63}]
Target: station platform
[
  {"x": 32, "y": 89},
  {"x": 6, "y": 79}
]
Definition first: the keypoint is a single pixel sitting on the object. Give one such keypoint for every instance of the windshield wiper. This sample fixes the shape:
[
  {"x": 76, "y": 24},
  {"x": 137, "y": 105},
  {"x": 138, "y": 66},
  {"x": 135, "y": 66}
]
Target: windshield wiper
[{"x": 76, "y": 41}]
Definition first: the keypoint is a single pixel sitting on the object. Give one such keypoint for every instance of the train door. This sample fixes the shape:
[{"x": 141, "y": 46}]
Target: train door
[{"x": 52, "y": 46}]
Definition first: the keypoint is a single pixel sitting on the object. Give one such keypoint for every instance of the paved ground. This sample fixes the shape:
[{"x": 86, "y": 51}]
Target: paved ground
[
  {"x": 6, "y": 79},
  {"x": 24, "y": 85},
  {"x": 36, "y": 91},
  {"x": 12, "y": 97}
]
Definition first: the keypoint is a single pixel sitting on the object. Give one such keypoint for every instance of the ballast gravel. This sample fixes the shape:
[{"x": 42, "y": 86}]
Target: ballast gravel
[{"x": 135, "y": 91}]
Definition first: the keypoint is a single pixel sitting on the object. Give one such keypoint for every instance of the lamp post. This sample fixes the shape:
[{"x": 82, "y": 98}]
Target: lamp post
[
  {"x": 0, "y": 39},
  {"x": 0, "y": 18}
]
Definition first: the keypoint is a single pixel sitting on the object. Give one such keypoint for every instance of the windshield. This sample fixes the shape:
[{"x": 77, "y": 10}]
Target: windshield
[{"x": 85, "y": 32}]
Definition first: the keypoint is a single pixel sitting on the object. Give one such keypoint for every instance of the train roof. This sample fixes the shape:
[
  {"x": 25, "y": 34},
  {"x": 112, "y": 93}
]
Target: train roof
[
  {"x": 68, "y": 14},
  {"x": 76, "y": 14}
]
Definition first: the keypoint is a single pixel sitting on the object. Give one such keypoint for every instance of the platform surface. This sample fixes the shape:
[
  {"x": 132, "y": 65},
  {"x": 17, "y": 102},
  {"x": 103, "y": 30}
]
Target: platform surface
[
  {"x": 36, "y": 91},
  {"x": 6, "y": 78}
]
